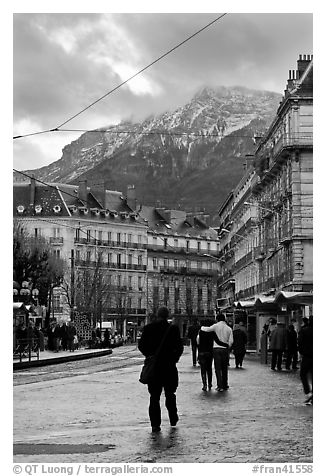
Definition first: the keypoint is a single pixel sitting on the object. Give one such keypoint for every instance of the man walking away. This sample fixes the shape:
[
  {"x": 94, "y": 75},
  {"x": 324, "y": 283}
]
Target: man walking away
[
  {"x": 166, "y": 373},
  {"x": 292, "y": 348},
  {"x": 192, "y": 335},
  {"x": 239, "y": 345},
  {"x": 221, "y": 354},
  {"x": 305, "y": 346},
  {"x": 278, "y": 345}
]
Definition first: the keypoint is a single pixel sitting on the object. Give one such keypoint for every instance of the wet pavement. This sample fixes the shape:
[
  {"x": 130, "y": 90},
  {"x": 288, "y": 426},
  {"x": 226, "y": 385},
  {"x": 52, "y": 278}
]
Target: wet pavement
[{"x": 96, "y": 411}]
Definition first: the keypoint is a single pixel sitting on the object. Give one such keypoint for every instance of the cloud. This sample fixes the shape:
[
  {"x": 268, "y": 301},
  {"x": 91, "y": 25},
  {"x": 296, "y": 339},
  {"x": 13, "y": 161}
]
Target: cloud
[{"x": 64, "y": 62}]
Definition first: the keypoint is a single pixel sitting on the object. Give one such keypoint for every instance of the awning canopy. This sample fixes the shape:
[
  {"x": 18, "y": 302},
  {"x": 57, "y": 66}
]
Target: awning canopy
[{"x": 281, "y": 297}]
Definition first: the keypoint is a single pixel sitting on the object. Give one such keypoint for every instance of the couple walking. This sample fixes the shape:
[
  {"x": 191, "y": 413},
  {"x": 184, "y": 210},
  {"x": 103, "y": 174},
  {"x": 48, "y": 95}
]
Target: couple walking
[{"x": 214, "y": 342}]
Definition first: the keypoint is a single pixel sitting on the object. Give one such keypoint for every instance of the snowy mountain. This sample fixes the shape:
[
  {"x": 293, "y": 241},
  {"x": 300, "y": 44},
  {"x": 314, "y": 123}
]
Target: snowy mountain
[{"x": 191, "y": 157}]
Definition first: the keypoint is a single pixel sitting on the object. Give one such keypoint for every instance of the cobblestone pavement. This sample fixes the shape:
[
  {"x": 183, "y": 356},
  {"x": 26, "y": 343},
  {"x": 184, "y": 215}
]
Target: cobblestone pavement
[{"x": 96, "y": 411}]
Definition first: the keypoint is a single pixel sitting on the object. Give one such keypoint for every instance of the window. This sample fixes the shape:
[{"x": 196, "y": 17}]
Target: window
[
  {"x": 119, "y": 261},
  {"x": 119, "y": 280},
  {"x": 109, "y": 258},
  {"x": 140, "y": 239},
  {"x": 37, "y": 232},
  {"x": 140, "y": 260},
  {"x": 175, "y": 242},
  {"x": 130, "y": 282},
  {"x": 56, "y": 254},
  {"x": 208, "y": 247},
  {"x": 166, "y": 263},
  {"x": 198, "y": 246},
  {"x": 175, "y": 264},
  {"x": 109, "y": 236},
  {"x": 140, "y": 287},
  {"x": 139, "y": 303},
  {"x": 100, "y": 235},
  {"x": 56, "y": 232},
  {"x": 56, "y": 303},
  {"x": 165, "y": 242},
  {"x": 154, "y": 263},
  {"x": 130, "y": 260},
  {"x": 129, "y": 238},
  {"x": 187, "y": 245},
  {"x": 88, "y": 255},
  {"x": 77, "y": 255},
  {"x": 118, "y": 238},
  {"x": 88, "y": 235}
]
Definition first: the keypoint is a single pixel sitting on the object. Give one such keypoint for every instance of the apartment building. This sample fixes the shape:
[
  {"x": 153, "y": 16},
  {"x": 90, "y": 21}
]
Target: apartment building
[
  {"x": 182, "y": 264},
  {"x": 103, "y": 243},
  {"x": 266, "y": 232}
]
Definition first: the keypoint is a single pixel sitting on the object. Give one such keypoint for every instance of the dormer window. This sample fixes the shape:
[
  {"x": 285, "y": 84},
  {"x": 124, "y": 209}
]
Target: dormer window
[
  {"x": 96, "y": 211},
  {"x": 83, "y": 210},
  {"x": 38, "y": 209},
  {"x": 57, "y": 209},
  {"x": 20, "y": 209}
]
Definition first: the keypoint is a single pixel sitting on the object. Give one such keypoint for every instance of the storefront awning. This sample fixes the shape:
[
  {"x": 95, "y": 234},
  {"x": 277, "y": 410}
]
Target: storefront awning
[{"x": 301, "y": 298}]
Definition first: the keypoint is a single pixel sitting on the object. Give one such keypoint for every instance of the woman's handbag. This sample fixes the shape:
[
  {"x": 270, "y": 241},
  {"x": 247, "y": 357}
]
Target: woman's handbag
[{"x": 148, "y": 370}]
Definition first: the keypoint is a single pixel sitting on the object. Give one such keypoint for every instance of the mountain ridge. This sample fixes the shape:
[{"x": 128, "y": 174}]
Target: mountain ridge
[{"x": 167, "y": 156}]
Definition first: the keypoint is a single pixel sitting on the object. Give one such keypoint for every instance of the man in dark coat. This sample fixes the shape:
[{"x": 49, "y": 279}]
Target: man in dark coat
[
  {"x": 192, "y": 335},
  {"x": 292, "y": 348},
  {"x": 278, "y": 344},
  {"x": 166, "y": 373},
  {"x": 239, "y": 345},
  {"x": 305, "y": 347}
]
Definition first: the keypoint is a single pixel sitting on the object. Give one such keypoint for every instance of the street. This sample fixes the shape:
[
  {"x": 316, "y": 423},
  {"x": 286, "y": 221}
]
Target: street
[{"x": 96, "y": 411}]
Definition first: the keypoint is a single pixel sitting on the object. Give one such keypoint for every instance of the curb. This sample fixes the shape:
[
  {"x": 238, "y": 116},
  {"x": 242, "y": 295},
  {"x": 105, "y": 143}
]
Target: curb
[{"x": 59, "y": 359}]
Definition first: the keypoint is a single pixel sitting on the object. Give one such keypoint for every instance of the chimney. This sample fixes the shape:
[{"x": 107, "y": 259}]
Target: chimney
[
  {"x": 32, "y": 192},
  {"x": 302, "y": 63},
  {"x": 131, "y": 197},
  {"x": 98, "y": 190},
  {"x": 82, "y": 191}
]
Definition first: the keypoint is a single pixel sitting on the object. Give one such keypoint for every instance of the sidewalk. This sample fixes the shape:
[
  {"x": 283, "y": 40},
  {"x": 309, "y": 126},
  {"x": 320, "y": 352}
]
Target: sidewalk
[{"x": 48, "y": 357}]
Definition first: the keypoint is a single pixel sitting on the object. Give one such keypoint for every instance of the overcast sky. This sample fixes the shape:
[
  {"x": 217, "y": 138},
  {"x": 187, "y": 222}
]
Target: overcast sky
[{"x": 63, "y": 62}]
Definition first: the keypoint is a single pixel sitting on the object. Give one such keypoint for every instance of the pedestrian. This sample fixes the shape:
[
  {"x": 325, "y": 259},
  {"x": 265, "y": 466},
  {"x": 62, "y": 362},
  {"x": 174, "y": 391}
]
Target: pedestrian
[
  {"x": 305, "y": 347},
  {"x": 292, "y": 348},
  {"x": 205, "y": 341},
  {"x": 63, "y": 336},
  {"x": 220, "y": 353},
  {"x": 71, "y": 334},
  {"x": 166, "y": 372},
  {"x": 278, "y": 344},
  {"x": 107, "y": 337},
  {"x": 239, "y": 345},
  {"x": 192, "y": 335}
]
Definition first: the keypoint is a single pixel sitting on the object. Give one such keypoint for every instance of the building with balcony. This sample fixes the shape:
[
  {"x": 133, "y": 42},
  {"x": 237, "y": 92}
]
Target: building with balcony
[
  {"x": 103, "y": 243},
  {"x": 266, "y": 233},
  {"x": 182, "y": 266}
]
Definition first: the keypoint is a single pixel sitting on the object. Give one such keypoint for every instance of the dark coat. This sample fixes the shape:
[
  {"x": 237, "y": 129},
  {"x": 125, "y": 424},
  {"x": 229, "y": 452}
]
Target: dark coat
[
  {"x": 206, "y": 341},
  {"x": 239, "y": 341},
  {"x": 193, "y": 332},
  {"x": 170, "y": 352},
  {"x": 292, "y": 340},
  {"x": 278, "y": 338},
  {"x": 305, "y": 341}
]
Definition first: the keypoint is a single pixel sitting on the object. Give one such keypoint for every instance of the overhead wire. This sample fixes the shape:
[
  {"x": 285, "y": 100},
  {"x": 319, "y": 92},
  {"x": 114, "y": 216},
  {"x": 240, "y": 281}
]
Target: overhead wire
[{"x": 127, "y": 80}]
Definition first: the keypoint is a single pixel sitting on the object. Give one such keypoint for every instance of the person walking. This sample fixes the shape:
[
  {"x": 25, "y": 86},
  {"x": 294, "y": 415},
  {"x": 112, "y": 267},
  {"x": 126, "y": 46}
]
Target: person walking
[
  {"x": 278, "y": 344},
  {"x": 205, "y": 342},
  {"x": 71, "y": 334},
  {"x": 239, "y": 345},
  {"x": 292, "y": 348},
  {"x": 192, "y": 335},
  {"x": 221, "y": 353},
  {"x": 166, "y": 372},
  {"x": 305, "y": 347}
]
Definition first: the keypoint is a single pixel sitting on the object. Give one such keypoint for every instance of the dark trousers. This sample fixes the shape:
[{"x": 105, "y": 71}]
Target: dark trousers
[
  {"x": 238, "y": 357},
  {"x": 194, "y": 352},
  {"x": 292, "y": 357},
  {"x": 221, "y": 360},
  {"x": 277, "y": 359},
  {"x": 154, "y": 410},
  {"x": 205, "y": 360},
  {"x": 306, "y": 371}
]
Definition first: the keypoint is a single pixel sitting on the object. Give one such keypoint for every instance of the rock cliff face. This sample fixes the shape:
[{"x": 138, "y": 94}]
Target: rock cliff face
[{"x": 190, "y": 158}]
